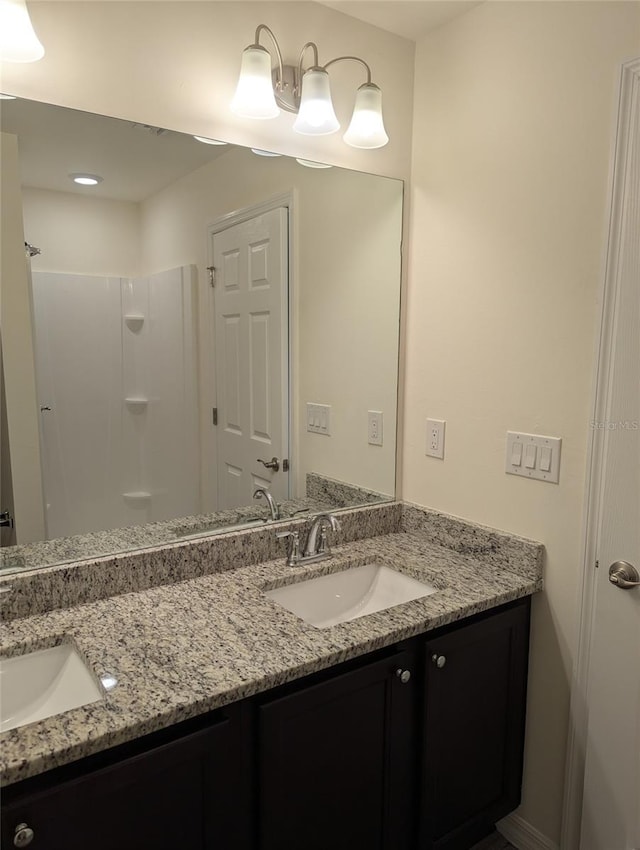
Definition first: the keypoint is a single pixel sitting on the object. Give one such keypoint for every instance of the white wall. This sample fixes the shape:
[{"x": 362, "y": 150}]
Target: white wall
[
  {"x": 79, "y": 235},
  {"x": 347, "y": 232},
  {"x": 175, "y": 65},
  {"x": 513, "y": 119}
]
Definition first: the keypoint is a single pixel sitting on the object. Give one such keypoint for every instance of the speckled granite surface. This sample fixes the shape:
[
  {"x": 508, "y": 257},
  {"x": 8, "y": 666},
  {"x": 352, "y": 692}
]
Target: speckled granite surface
[
  {"x": 182, "y": 649},
  {"x": 38, "y": 591},
  {"x": 320, "y": 488},
  {"x": 323, "y": 494}
]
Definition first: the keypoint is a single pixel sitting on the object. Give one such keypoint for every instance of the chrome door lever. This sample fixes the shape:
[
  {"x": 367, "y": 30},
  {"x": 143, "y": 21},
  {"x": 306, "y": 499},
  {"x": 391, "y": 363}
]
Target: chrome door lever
[{"x": 274, "y": 463}]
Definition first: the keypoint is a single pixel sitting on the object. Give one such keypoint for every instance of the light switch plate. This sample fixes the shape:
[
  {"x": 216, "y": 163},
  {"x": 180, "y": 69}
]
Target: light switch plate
[
  {"x": 319, "y": 418},
  {"x": 533, "y": 456}
]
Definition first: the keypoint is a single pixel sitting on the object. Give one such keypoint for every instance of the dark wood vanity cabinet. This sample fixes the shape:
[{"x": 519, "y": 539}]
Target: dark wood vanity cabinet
[
  {"x": 414, "y": 747},
  {"x": 472, "y": 719},
  {"x": 336, "y": 761},
  {"x": 182, "y": 794}
]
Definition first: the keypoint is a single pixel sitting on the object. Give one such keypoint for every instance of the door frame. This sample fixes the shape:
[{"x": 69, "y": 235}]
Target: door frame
[
  {"x": 579, "y": 711},
  {"x": 224, "y": 222}
]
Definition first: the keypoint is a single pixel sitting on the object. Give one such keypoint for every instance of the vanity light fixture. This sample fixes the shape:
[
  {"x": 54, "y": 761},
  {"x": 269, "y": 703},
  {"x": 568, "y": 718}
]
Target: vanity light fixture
[
  {"x": 260, "y": 152},
  {"x": 18, "y": 41},
  {"x": 206, "y": 141},
  {"x": 86, "y": 179},
  {"x": 309, "y": 163},
  {"x": 262, "y": 91}
]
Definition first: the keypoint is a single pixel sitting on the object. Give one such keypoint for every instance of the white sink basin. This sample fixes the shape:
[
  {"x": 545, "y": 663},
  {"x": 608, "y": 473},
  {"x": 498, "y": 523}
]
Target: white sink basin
[
  {"x": 349, "y": 594},
  {"x": 43, "y": 683}
]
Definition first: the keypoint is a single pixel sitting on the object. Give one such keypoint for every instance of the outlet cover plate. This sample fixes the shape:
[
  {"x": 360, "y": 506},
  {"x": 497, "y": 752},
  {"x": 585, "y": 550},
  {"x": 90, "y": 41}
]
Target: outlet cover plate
[{"x": 435, "y": 438}]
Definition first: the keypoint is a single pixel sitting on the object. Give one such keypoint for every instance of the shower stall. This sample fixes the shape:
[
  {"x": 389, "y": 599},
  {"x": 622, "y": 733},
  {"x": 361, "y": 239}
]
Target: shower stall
[{"x": 116, "y": 373}]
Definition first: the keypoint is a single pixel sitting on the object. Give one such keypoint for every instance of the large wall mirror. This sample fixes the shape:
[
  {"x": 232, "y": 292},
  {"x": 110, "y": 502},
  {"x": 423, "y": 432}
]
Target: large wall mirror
[{"x": 207, "y": 337}]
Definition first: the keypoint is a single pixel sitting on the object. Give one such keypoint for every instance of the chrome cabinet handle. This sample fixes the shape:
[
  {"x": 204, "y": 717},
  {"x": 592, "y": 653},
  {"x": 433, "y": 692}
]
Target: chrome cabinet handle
[
  {"x": 274, "y": 463},
  {"x": 23, "y": 835},
  {"x": 624, "y": 575},
  {"x": 439, "y": 660},
  {"x": 403, "y": 675}
]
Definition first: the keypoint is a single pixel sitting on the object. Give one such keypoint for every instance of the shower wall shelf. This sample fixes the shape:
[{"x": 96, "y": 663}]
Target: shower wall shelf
[
  {"x": 137, "y": 404},
  {"x": 137, "y": 498},
  {"x": 134, "y": 321}
]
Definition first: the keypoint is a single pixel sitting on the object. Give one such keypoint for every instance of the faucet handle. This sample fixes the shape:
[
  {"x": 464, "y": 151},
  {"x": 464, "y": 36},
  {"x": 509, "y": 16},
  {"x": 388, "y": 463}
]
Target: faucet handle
[{"x": 293, "y": 546}]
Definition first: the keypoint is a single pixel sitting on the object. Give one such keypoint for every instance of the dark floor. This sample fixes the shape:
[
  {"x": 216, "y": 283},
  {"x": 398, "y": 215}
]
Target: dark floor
[{"x": 494, "y": 842}]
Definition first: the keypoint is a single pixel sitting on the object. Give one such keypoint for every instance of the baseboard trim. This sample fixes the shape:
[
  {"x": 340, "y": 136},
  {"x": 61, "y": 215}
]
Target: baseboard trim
[{"x": 524, "y": 836}]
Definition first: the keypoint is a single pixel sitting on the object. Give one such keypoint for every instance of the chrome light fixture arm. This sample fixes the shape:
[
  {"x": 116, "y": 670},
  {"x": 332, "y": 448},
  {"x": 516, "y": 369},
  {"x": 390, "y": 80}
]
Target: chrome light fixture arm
[
  {"x": 264, "y": 28},
  {"x": 352, "y": 59}
]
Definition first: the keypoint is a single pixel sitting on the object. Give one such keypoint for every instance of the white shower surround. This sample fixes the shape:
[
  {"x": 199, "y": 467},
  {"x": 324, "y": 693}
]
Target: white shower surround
[{"x": 116, "y": 364}]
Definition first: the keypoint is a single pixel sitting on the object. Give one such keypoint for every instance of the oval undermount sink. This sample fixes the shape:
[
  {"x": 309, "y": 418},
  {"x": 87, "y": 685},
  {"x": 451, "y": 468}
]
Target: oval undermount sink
[
  {"x": 349, "y": 594},
  {"x": 43, "y": 683}
]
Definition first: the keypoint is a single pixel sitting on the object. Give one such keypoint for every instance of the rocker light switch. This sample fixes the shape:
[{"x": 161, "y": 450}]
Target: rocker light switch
[{"x": 533, "y": 456}]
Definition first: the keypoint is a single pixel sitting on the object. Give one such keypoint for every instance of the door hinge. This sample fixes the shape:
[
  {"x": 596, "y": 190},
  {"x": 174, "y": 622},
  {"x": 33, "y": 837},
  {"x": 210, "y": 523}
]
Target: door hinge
[
  {"x": 212, "y": 275},
  {"x": 597, "y": 564},
  {"x": 214, "y": 415}
]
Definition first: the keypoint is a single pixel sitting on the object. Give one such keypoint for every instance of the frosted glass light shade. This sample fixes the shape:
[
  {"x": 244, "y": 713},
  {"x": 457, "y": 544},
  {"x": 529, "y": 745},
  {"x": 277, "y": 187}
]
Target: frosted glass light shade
[
  {"x": 316, "y": 116},
  {"x": 254, "y": 97},
  {"x": 366, "y": 129},
  {"x": 18, "y": 41}
]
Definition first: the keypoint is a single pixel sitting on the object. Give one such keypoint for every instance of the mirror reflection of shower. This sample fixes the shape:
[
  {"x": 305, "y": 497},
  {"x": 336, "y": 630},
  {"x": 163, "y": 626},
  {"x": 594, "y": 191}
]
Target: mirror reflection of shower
[{"x": 115, "y": 366}]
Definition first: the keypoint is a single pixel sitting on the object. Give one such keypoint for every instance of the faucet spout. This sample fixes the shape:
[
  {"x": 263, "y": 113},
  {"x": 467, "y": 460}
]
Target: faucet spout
[
  {"x": 260, "y": 493},
  {"x": 317, "y": 538}
]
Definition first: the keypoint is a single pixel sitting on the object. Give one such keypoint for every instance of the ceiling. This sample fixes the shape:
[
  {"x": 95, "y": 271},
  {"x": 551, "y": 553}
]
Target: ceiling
[
  {"x": 134, "y": 160},
  {"x": 409, "y": 18}
]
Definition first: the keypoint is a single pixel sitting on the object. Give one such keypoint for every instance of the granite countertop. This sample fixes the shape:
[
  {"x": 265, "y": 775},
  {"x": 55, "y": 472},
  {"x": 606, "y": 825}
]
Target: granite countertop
[{"x": 183, "y": 649}]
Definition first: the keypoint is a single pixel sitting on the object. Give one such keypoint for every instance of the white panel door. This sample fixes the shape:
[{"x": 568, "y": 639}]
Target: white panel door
[
  {"x": 611, "y": 803},
  {"x": 251, "y": 362}
]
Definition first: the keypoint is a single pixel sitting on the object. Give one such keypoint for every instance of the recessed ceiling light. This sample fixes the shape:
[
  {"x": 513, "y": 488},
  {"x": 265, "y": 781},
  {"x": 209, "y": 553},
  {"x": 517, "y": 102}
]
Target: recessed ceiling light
[
  {"x": 264, "y": 153},
  {"x": 86, "y": 179},
  {"x": 206, "y": 141},
  {"x": 311, "y": 164}
]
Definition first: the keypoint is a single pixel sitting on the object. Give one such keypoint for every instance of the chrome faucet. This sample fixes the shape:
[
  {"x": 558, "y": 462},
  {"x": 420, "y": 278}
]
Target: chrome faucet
[
  {"x": 316, "y": 547},
  {"x": 273, "y": 507},
  {"x": 317, "y": 543}
]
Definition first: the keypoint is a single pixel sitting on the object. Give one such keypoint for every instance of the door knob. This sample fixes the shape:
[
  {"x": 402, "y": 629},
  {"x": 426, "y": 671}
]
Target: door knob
[
  {"x": 274, "y": 463},
  {"x": 624, "y": 575}
]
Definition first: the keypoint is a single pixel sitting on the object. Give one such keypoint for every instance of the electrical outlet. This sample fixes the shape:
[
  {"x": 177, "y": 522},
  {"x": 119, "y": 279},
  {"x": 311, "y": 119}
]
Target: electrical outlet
[
  {"x": 435, "y": 438},
  {"x": 375, "y": 427}
]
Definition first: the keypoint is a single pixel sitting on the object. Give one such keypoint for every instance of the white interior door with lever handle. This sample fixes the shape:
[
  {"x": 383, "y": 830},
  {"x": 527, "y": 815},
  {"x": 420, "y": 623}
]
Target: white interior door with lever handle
[
  {"x": 611, "y": 800},
  {"x": 251, "y": 358}
]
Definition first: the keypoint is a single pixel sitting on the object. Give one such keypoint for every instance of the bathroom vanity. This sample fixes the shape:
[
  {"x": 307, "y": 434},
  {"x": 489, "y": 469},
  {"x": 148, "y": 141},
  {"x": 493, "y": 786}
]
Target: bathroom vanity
[{"x": 235, "y": 724}]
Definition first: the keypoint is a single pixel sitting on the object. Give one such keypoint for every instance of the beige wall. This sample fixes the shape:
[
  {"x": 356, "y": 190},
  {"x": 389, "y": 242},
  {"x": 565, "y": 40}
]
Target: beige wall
[
  {"x": 347, "y": 236},
  {"x": 175, "y": 65},
  {"x": 80, "y": 235},
  {"x": 513, "y": 121},
  {"x": 18, "y": 373}
]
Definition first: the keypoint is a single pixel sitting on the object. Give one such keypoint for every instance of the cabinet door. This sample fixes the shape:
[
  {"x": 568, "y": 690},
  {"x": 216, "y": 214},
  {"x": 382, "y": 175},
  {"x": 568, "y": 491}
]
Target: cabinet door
[
  {"x": 474, "y": 710},
  {"x": 183, "y": 794},
  {"x": 336, "y": 762}
]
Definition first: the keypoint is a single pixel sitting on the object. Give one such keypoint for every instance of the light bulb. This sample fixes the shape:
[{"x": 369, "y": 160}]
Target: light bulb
[
  {"x": 366, "y": 129},
  {"x": 18, "y": 41},
  {"x": 254, "y": 97},
  {"x": 316, "y": 116}
]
